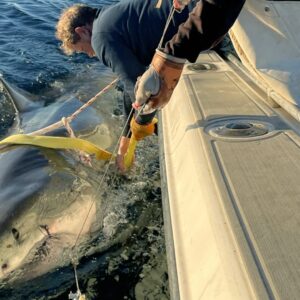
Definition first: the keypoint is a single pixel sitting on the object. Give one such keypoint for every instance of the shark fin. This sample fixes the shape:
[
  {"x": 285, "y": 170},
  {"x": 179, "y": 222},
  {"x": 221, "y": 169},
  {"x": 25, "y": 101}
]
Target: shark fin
[{"x": 20, "y": 102}]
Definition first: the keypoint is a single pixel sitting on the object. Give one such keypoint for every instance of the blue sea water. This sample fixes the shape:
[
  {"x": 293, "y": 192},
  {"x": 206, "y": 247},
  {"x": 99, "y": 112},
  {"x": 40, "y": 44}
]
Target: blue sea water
[
  {"x": 30, "y": 58},
  {"x": 29, "y": 51}
]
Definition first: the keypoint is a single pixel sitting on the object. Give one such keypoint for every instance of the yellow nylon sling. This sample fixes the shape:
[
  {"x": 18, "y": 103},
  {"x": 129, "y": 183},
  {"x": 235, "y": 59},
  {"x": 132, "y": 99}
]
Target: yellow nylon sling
[{"x": 58, "y": 143}]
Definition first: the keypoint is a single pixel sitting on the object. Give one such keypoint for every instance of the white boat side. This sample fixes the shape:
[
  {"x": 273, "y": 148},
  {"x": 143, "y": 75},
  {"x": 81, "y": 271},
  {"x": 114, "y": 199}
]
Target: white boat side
[
  {"x": 231, "y": 168},
  {"x": 266, "y": 37}
]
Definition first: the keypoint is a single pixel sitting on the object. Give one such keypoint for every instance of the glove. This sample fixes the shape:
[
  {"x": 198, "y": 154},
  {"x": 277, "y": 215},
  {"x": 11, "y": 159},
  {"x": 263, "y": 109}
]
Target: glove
[
  {"x": 141, "y": 131},
  {"x": 146, "y": 86},
  {"x": 157, "y": 84},
  {"x": 179, "y": 5}
]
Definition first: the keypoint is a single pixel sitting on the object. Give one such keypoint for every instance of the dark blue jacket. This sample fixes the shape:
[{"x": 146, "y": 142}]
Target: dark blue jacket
[{"x": 125, "y": 36}]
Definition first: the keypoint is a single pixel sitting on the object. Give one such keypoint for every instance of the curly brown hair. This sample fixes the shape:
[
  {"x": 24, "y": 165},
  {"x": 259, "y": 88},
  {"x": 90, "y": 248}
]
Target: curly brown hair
[{"x": 75, "y": 16}]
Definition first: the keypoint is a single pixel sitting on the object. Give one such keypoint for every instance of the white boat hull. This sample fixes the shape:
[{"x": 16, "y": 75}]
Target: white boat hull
[
  {"x": 266, "y": 37},
  {"x": 231, "y": 202}
]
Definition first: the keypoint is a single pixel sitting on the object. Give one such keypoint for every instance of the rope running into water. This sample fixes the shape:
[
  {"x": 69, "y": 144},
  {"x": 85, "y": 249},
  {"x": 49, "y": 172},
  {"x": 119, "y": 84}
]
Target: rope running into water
[
  {"x": 116, "y": 147},
  {"x": 74, "y": 261},
  {"x": 106, "y": 170},
  {"x": 166, "y": 27}
]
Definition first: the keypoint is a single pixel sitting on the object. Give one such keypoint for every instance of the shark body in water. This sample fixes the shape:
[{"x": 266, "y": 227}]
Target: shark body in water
[
  {"x": 45, "y": 196},
  {"x": 43, "y": 199}
]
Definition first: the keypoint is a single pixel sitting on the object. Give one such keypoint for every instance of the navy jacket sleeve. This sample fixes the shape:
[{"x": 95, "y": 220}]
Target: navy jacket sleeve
[{"x": 206, "y": 25}]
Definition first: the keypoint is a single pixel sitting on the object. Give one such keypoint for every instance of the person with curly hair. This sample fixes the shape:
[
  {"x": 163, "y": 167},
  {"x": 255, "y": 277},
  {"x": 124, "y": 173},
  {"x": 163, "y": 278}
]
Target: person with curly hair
[{"x": 124, "y": 37}]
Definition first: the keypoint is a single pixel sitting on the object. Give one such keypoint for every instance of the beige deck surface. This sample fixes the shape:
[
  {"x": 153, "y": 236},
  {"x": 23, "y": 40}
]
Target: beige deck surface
[{"x": 233, "y": 203}]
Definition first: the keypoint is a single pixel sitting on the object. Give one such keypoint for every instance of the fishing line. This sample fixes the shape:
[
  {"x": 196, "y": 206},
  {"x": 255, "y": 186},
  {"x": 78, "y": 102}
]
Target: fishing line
[
  {"x": 166, "y": 26},
  {"x": 75, "y": 262},
  {"x": 116, "y": 147},
  {"x": 107, "y": 168}
]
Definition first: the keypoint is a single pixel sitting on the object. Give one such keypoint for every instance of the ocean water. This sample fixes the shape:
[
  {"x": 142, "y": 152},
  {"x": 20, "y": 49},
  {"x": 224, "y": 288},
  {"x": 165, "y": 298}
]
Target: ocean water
[
  {"x": 132, "y": 264},
  {"x": 30, "y": 56}
]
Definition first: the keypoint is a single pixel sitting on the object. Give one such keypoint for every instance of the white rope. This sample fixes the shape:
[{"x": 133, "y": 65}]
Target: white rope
[
  {"x": 97, "y": 190},
  {"x": 76, "y": 113},
  {"x": 115, "y": 150},
  {"x": 166, "y": 27},
  {"x": 113, "y": 153},
  {"x": 106, "y": 170}
]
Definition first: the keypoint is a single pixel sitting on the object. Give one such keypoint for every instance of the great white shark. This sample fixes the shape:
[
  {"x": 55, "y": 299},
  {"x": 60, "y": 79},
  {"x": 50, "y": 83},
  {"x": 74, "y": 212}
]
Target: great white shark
[{"x": 43, "y": 197}]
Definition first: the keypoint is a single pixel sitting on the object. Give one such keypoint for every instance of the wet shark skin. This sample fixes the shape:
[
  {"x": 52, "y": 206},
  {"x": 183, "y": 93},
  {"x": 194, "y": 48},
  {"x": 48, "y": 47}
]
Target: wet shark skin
[{"x": 26, "y": 176}]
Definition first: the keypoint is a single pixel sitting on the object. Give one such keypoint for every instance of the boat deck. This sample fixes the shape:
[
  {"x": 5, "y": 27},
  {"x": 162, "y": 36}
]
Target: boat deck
[{"x": 231, "y": 166}]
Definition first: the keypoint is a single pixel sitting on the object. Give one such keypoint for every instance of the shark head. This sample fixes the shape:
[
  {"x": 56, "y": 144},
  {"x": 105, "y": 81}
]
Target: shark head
[{"x": 39, "y": 237}]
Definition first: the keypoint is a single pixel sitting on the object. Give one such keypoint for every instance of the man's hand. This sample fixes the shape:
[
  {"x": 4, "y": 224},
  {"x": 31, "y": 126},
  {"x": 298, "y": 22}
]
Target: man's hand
[
  {"x": 123, "y": 147},
  {"x": 156, "y": 85},
  {"x": 147, "y": 85}
]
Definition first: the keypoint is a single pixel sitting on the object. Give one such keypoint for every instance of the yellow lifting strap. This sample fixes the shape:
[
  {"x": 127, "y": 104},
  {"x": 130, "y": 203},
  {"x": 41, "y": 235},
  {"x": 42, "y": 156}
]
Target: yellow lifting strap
[{"x": 58, "y": 143}]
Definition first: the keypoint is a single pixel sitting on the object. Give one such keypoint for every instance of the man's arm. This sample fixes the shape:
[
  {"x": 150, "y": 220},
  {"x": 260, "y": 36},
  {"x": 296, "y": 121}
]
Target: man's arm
[
  {"x": 114, "y": 53},
  {"x": 112, "y": 50},
  {"x": 206, "y": 25}
]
